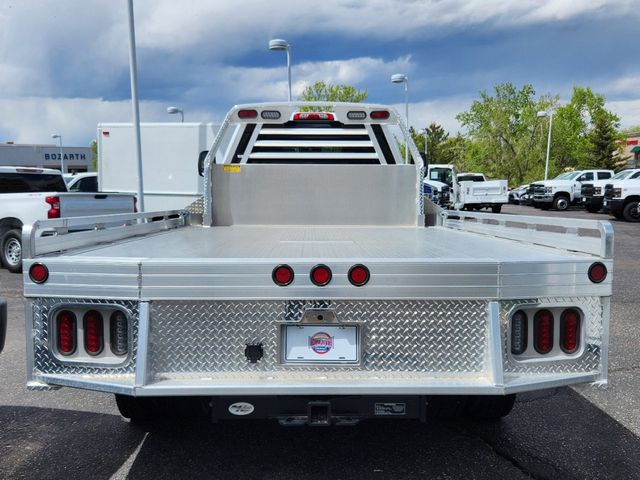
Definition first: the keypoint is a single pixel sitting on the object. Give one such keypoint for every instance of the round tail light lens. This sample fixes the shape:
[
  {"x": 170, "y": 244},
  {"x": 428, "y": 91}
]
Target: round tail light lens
[
  {"x": 93, "y": 332},
  {"x": 570, "y": 331},
  {"x": 282, "y": 275},
  {"x": 320, "y": 275},
  {"x": 359, "y": 275},
  {"x": 597, "y": 272},
  {"x": 38, "y": 273},
  {"x": 543, "y": 331}
]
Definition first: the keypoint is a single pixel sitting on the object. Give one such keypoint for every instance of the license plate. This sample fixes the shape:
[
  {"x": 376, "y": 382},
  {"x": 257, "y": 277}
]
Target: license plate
[{"x": 321, "y": 344}]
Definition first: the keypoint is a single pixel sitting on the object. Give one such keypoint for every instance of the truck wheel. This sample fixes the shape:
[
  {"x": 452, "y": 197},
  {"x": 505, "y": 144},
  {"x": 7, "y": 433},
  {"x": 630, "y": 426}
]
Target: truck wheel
[
  {"x": 142, "y": 409},
  {"x": 631, "y": 212},
  {"x": 561, "y": 203},
  {"x": 496, "y": 208},
  {"x": 12, "y": 251},
  {"x": 490, "y": 407}
]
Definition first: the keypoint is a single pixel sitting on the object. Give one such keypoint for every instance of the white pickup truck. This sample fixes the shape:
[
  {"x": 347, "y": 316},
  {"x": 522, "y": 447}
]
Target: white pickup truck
[
  {"x": 622, "y": 197},
  {"x": 564, "y": 190},
  {"x": 310, "y": 287},
  {"x": 593, "y": 192},
  {"x": 468, "y": 191},
  {"x": 31, "y": 194}
]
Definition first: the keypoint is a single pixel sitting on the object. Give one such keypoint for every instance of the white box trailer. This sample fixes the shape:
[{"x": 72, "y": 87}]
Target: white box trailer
[{"x": 169, "y": 161}]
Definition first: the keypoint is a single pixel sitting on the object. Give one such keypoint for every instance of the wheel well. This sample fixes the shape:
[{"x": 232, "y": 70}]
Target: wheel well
[
  {"x": 562, "y": 194},
  {"x": 9, "y": 223},
  {"x": 632, "y": 198}
]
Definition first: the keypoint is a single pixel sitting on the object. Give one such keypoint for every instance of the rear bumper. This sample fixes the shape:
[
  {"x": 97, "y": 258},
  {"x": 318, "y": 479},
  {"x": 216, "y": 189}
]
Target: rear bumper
[{"x": 441, "y": 347}]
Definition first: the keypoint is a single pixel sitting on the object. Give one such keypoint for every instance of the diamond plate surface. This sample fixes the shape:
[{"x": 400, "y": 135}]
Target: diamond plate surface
[
  {"x": 45, "y": 362},
  {"x": 590, "y": 361},
  {"x": 438, "y": 337}
]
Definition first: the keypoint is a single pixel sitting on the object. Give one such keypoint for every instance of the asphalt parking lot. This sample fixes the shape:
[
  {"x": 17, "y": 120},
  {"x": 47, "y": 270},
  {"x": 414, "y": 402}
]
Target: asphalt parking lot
[{"x": 565, "y": 433}]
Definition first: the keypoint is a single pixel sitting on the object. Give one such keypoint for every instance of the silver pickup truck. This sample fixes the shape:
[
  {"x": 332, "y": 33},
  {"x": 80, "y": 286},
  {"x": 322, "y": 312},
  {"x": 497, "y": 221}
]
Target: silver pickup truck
[{"x": 314, "y": 285}]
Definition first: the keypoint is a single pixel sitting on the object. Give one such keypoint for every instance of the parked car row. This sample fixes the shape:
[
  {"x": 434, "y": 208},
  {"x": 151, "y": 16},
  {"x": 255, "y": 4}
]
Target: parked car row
[{"x": 595, "y": 190}]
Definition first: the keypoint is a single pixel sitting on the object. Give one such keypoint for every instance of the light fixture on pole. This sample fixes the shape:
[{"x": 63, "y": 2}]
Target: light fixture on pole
[
  {"x": 550, "y": 115},
  {"x": 59, "y": 137},
  {"x": 174, "y": 110},
  {"x": 278, "y": 44},
  {"x": 402, "y": 78}
]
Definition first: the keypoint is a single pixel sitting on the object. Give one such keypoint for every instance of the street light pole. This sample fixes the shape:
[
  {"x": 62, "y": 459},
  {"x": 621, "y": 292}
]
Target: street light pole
[
  {"x": 278, "y": 44},
  {"x": 550, "y": 115},
  {"x": 401, "y": 78},
  {"x": 59, "y": 137},
  {"x": 133, "y": 73}
]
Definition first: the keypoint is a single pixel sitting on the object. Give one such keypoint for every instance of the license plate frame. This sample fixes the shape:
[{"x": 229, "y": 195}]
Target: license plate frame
[{"x": 320, "y": 344}]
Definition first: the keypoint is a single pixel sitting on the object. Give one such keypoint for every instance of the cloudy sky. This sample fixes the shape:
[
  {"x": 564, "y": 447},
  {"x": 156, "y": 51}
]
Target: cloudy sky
[{"x": 64, "y": 63}]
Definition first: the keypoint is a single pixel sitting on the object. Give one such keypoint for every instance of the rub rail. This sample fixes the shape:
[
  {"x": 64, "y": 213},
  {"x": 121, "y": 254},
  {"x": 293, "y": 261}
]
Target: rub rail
[{"x": 63, "y": 234}]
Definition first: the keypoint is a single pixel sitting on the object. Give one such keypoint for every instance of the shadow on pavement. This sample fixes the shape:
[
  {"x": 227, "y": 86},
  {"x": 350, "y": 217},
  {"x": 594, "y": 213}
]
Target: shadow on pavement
[{"x": 553, "y": 434}]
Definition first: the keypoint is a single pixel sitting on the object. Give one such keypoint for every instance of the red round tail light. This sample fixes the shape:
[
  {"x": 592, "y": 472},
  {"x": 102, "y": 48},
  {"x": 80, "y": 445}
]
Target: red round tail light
[
  {"x": 66, "y": 332},
  {"x": 359, "y": 275},
  {"x": 93, "y": 332},
  {"x": 38, "y": 273},
  {"x": 282, "y": 275},
  {"x": 320, "y": 275},
  {"x": 543, "y": 331},
  {"x": 570, "y": 331},
  {"x": 597, "y": 272}
]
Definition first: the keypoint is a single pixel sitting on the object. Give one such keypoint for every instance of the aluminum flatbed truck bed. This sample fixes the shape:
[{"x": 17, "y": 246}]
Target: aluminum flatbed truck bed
[{"x": 342, "y": 293}]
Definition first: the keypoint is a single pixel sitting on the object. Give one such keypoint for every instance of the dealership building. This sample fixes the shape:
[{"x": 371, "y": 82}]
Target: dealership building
[{"x": 71, "y": 159}]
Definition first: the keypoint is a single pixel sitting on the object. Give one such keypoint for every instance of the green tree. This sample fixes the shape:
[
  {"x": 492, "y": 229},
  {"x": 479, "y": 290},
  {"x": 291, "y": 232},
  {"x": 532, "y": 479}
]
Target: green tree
[
  {"x": 603, "y": 147},
  {"x": 321, "y": 92},
  {"x": 507, "y": 136},
  {"x": 441, "y": 148},
  {"x": 94, "y": 154}
]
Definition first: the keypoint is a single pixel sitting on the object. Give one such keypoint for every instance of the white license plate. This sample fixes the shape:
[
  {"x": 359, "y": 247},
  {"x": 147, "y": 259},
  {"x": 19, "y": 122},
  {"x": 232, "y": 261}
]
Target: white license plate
[{"x": 321, "y": 344}]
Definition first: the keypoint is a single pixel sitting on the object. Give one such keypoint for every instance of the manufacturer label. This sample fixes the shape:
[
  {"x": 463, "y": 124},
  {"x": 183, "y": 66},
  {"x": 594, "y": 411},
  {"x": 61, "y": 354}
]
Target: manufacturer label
[
  {"x": 386, "y": 409},
  {"x": 241, "y": 408},
  {"x": 231, "y": 168},
  {"x": 321, "y": 343}
]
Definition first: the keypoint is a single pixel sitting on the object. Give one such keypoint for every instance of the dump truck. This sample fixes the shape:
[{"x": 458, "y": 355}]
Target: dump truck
[{"x": 314, "y": 285}]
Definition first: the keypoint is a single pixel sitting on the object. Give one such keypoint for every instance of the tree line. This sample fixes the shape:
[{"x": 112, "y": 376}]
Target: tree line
[{"x": 504, "y": 136}]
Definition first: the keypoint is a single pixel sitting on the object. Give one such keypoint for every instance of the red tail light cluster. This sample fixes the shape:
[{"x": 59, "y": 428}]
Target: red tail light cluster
[
  {"x": 54, "y": 211},
  {"x": 76, "y": 340},
  {"x": 321, "y": 275},
  {"x": 66, "y": 332},
  {"x": 93, "y": 332},
  {"x": 543, "y": 331}
]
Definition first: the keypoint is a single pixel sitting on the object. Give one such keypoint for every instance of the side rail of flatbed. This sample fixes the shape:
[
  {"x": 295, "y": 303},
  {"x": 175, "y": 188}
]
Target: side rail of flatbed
[
  {"x": 63, "y": 234},
  {"x": 593, "y": 237}
]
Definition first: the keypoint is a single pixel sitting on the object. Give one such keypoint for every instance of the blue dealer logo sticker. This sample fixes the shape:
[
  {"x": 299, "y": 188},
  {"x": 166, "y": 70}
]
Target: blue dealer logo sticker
[{"x": 321, "y": 343}]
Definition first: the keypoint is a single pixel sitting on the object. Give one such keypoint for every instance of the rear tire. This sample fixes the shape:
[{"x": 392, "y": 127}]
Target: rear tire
[
  {"x": 496, "y": 208},
  {"x": 561, "y": 203},
  {"x": 490, "y": 407},
  {"x": 631, "y": 212},
  {"x": 11, "y": 253},
  {"x": 142, "y": 409}
]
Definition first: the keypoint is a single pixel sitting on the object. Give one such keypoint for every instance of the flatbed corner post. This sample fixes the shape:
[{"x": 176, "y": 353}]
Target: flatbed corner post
[
  {"x": 495, "y": 345},
  {"x": 142, "y": 355}
]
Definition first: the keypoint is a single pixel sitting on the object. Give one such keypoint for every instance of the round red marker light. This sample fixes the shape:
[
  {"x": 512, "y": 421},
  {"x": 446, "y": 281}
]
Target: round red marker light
[
  {"x": 597, "y": 272},
  {"x": 38, "y": 273},
  {"x": 320, "y": 275},
  {"x": 282, "y": 275},
  {"x": 359, "y": 275}
]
